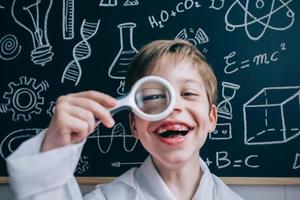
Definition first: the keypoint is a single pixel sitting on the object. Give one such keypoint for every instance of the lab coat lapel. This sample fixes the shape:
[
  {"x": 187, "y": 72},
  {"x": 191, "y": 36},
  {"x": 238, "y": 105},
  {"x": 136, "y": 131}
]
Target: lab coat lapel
[
  {"x": 150, "y": 182},
  {"x": 206, "y": 186}
]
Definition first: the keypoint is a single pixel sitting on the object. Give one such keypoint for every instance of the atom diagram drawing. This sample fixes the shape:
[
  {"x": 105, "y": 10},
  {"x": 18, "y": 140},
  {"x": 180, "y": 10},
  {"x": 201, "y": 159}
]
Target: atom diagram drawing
[{"x": 258, "y": 16}]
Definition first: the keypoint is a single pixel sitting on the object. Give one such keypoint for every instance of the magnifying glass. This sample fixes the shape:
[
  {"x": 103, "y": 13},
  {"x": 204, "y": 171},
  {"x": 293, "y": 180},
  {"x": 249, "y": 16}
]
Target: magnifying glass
[{"x": 151, "y": 98}]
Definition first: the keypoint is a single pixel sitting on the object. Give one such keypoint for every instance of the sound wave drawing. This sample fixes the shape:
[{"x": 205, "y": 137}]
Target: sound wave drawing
[{"x": 118, "y": 131}]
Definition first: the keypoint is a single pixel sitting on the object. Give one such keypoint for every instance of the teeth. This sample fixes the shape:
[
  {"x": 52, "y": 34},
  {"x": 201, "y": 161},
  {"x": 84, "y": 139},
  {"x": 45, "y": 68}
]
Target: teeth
[{"x": 162, "y": 130}]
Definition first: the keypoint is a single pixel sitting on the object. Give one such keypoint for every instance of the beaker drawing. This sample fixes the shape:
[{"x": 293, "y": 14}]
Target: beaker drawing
[
  {"x": 228, "y": 93},
  {"x": 118, "y": 68}
]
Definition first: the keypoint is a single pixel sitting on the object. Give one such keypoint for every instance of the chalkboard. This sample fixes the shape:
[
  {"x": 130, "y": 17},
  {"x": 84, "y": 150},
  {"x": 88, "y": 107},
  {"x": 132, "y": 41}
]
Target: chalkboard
[{"x": 50, "y": 48}]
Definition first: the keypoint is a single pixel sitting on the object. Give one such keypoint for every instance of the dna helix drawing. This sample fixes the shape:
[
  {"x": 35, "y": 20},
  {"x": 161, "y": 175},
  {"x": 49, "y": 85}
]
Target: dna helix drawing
[{"x": 81, "y": 51}]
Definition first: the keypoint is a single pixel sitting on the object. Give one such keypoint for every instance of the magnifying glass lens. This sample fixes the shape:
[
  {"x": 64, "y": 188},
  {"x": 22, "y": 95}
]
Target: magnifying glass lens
[{"x": 152, "y": 98}]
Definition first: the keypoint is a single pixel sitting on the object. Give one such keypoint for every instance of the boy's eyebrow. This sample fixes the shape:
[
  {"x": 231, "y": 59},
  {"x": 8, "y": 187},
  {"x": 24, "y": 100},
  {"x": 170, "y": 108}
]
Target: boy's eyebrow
[{"x": 193, "y": 81}]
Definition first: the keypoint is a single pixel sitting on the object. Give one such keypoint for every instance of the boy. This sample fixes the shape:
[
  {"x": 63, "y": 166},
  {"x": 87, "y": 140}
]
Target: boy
[{"x": 173, "y": 170}]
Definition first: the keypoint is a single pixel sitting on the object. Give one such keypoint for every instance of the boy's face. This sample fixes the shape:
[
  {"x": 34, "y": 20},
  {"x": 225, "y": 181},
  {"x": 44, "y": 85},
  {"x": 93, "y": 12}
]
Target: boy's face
[{"x": 178, "y": 138}]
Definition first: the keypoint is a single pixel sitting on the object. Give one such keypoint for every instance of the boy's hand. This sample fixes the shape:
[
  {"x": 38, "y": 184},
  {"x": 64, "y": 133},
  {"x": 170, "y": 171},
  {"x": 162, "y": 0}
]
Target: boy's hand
[{"x": 76, "y": 116}]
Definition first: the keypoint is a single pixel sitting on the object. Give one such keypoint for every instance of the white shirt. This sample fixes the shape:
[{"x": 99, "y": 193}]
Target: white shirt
[{"x": 49, "y": 176}]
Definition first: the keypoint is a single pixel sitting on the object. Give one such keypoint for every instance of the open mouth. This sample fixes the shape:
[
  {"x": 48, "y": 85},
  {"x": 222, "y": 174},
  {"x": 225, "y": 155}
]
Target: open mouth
[
  {"x": 173, "y": 133},
  {"x": 172, "y": 130}
]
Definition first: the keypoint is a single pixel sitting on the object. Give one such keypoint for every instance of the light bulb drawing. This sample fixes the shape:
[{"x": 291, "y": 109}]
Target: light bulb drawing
[
  {"x": 118, "y": 68},
  {"x": 33, "y": 17}
]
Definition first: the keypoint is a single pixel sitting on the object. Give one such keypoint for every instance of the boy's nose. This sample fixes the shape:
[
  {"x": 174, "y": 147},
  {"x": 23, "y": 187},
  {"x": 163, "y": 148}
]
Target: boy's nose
[{"x": 178, "y": 103}]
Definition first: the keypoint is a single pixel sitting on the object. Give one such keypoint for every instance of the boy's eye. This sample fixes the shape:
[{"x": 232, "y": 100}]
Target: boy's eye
[
  {"x": 189, "y": 94},
  {"x": 154, "y": 97}
]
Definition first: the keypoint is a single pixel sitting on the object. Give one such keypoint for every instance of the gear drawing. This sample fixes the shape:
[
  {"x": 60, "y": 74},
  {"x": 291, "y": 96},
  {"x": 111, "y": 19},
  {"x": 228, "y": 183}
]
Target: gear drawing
[
  {"x": 24, "y": 98},
  {"x": 51, "y": 109}
]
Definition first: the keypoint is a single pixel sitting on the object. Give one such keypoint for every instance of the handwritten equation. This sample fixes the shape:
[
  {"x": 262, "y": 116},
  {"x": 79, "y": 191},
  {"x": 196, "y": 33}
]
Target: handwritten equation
[{"x": 234, "y": 64}]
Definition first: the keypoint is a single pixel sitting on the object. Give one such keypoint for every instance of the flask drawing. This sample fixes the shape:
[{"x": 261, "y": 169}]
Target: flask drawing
[
  {"x": 118, "y": 68},
  {"x": 81, "y": 51}
]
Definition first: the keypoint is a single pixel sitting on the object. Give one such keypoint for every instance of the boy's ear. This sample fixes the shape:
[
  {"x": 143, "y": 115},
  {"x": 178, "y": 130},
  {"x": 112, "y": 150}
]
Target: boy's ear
[
  {"x": 132, "y": 124},
  {"x": 213, "y": 117}
]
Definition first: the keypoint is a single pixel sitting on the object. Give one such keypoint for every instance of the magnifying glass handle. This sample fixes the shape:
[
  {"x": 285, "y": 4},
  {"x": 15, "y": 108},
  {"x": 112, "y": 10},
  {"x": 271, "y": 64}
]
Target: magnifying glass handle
[{"x": 121, "y": 105}]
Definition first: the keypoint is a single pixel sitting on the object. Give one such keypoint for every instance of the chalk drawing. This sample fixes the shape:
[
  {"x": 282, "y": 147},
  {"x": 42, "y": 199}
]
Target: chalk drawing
[
  {"x": 222, "y": 132},
  {"x": 81, "y": 51},
  {"x": 37, "y": 12},
  {"x": 118, "y": 68},
  {"x": 217, "y": 4},
  {"x": 198, "y": 38},
  {"x": 51, "y": 109},
  {"x": 10, "y": 48},
  {"x": 82, "y": 165},
  {"x": 118, "y": 131},
  {"x": 228, "y": 93},
  {"x": 108, "y": 3},
  {"x": 272, "y": 116},
  {"x": 24, "y": 98},
  {"x": 68, "y": 19},
  {"x": 131, "y": 3},
  {"x": 256, "y": 26},
  {"x": 296, "y": 164},
  {"x": 14, "y": 139}
]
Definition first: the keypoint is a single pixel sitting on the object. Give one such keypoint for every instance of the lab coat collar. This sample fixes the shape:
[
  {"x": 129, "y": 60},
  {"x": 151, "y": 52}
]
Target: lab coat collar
[{"x": 150, "y": 181}]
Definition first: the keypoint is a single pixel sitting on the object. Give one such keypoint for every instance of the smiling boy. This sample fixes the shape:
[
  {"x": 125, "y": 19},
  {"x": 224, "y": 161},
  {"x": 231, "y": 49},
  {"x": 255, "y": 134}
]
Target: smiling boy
[{"x": 173, "y": 169}]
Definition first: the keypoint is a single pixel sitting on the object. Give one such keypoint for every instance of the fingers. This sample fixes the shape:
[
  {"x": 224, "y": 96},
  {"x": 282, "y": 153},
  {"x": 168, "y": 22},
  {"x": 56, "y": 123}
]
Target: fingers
[
  {"x": 101, "y": 98},
  {"x": 96, "y": 110},
  {"x": 76, "y": 116}
]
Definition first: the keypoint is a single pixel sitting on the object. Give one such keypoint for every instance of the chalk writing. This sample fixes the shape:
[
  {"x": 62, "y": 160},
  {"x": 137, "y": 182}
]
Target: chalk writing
[
  {"x": 165, "y": 15},
  {"x": 224, "y": 160},
  {"x": 232, "y": 66}
]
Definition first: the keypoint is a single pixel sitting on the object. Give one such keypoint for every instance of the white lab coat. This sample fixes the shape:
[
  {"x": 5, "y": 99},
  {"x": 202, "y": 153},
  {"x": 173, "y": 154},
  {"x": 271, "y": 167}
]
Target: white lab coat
[{"x": 49, "y": 176}]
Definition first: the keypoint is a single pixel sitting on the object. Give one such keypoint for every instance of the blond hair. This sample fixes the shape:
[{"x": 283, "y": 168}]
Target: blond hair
[{"x": 148, "y": 57}]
